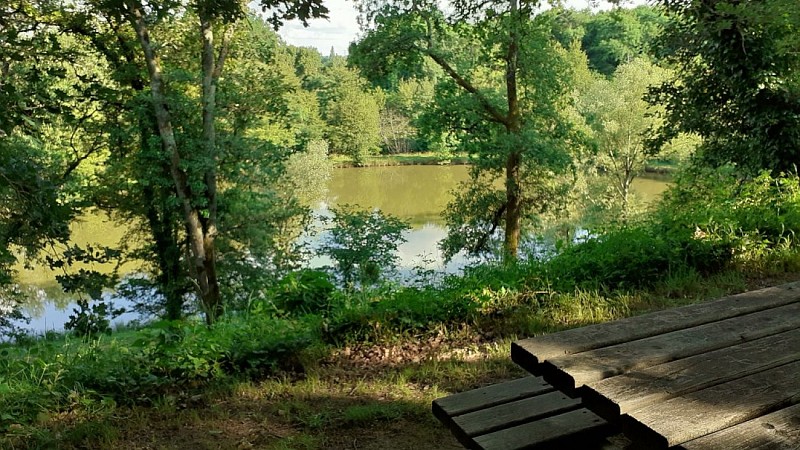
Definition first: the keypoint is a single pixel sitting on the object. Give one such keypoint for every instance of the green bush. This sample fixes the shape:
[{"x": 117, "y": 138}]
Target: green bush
[
  {"x": 304, "y": 292},
  {"x": 752, "y": 215},
  {"x": 363, "y": 244},
  {"x": 259, "y": 345},
  {"x": 622, "y": 259},
  {"x": 380, "y": 312},
  {"x": 144, "y": 366},
  {"x": 706, "y": 222}
]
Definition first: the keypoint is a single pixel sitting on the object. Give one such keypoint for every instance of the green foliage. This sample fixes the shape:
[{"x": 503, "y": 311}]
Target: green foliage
[
  {"x": 619, "y": 119},
  {"x": 379, "y": 313},
  {"x": 383, "y": 65},
  {"x": 737, "y": 85},
  {"x": 11, "y": 315},
  {"x": 59, "y": 127},
  {"x": 304, "y": 292},
  {"x": 619, "y": 36},
  {"x": 631, "y": 258},
  {"x": 91, "y": 320},
  {"x": 363, "y": 244},
  {"x": 710, "y": 220},
  {"x": 38, "y": 187},
  {"x": 309, "y": 171},
  {"x": 524, "y": 162},
  {"x": 30, "y": 188},
  {"x": 755, "y": 215},
  {"x": 609, "y": 38},
  {"x": 354, "y": 124},
  {"x": 473, "y": 218},
  {"x": 168, "y": 358}
]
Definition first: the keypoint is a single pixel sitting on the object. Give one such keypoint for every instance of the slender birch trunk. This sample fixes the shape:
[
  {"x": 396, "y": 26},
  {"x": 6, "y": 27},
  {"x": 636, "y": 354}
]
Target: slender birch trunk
[{"x": 200, "y": 228}]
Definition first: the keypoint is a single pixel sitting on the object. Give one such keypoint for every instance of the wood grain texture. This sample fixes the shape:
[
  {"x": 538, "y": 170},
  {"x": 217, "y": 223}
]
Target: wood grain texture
[
  {"x": 691, "y": 416},
  {"x": 571, "y": 371},
  {"x": 489, "y": 396},
  {"x": 528, "y": 353},
  {"x": 575, "y": 429},
  {"x": 650, "y": 385},
  {"x": 515, "y": 413},
  {"x": 777, "y": 431}
]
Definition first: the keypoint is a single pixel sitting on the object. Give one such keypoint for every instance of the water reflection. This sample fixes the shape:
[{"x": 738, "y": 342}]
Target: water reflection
[
  {"x": 415, "y": 193},
  {"x": 46, "y": 314},
  {"x": 418, "y": 194}
]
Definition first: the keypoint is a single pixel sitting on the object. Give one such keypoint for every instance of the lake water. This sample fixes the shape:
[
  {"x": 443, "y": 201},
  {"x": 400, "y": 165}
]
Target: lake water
[{"x": 417, "y": 194}]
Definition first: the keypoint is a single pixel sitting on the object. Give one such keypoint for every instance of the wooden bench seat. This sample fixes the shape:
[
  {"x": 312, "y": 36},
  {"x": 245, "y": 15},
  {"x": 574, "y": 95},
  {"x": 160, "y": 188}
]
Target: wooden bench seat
[{"x": 527, "y": 413}]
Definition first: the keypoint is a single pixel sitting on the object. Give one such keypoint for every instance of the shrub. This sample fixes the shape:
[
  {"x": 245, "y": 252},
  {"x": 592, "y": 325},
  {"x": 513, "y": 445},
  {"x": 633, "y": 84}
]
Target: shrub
[
  {"x": 625, "y": 258},
  {"x": 363, "y": 244},
  {"x": 259, "y": 345},
  {"x": 304, "y": 291},
  {"x": 374, "y": 314}
]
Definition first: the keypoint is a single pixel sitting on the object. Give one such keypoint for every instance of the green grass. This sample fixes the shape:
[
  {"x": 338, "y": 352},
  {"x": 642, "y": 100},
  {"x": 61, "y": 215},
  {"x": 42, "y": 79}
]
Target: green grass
[
  {"x": 662, "y": 166},
  {"x": 408, "y": 346},
  {"x": 402, "y": 159},
  {"x": 331, "y": 405}
]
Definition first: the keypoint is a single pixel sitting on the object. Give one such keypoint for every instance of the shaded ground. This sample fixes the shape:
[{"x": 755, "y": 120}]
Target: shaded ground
[{"x": 369, "y": 397}]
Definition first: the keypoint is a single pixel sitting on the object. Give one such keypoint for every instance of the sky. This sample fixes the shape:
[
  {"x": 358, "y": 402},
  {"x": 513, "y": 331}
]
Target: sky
[{"x": 342, "y": 28}]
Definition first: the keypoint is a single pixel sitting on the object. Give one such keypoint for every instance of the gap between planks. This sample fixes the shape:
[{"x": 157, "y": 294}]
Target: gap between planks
[
  {"x": 694, "y": 415},
  {"x": 642, "y": 387},
  {"x": 529, "y": 353},
  {"x": 573, "y": 371}
]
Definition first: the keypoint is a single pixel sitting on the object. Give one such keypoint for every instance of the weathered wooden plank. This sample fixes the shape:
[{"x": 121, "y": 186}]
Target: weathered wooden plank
[
  {"x": 642, "y": 387},
  {"x": 777, "y": 431},
  {"x": 515, "y": 413},
  {"x": 571, "y": 371},
  {"x": 489, "y": 396},
  {"x": 574, "y": 429},
  {"x": 682, "y": 419},
  {"x": 528, "y": 353}
]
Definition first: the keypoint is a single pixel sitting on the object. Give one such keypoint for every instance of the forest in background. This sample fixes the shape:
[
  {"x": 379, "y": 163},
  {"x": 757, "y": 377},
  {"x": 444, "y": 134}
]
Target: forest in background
[{"x": 196, "y": 124}]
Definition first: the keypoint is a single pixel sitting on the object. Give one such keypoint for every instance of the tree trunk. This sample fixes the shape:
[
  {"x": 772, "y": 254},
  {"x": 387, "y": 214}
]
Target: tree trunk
[
  {"x": 211, "y": 298},
  {"x": 206, "y": 282},
  {"x": 514, "y": 159},
  {"x": 513, "y": 207},
  {"x": 511, "y": 120},
  {"x": 157, "y": 211}
]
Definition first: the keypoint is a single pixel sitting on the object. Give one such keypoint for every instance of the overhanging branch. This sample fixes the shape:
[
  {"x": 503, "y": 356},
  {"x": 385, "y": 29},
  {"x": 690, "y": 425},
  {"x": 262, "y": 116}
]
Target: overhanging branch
[
  {"x": 494, "y": 113},
  {"x": 495, "y": 223}
]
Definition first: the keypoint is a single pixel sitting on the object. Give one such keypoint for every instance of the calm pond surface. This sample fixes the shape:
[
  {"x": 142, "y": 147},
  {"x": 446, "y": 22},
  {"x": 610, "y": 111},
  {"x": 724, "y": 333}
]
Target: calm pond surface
[{"x": 417, "y": 194}]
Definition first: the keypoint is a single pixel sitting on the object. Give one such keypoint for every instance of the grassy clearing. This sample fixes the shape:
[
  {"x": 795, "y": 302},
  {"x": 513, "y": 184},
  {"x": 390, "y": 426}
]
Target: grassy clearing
[{"x": 403, "y": 159}]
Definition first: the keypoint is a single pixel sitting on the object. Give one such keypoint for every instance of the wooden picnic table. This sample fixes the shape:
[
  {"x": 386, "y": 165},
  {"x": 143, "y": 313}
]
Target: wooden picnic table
[{"x": 723, "y": 374}]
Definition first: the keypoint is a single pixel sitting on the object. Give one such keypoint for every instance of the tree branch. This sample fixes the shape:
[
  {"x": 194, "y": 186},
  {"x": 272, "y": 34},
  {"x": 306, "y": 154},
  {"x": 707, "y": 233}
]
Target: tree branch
[
  {"x": 495, "y": 114},
  {"x": 227, "y": 35},
  {"x": 495, "y": 223}
]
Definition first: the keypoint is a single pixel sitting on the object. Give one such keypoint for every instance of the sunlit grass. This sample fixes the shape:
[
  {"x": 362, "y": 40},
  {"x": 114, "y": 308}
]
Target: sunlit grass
[{"x": 401, "y": 159}]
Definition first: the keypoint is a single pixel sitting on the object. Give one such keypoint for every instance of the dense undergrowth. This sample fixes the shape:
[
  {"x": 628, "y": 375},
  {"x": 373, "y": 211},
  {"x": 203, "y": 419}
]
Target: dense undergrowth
[{"x": 709, "y": 236}]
